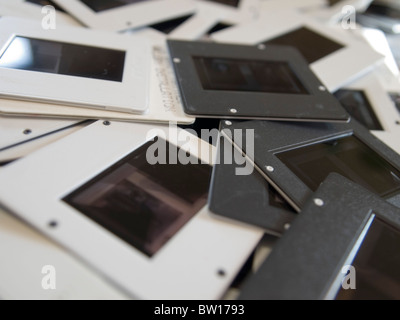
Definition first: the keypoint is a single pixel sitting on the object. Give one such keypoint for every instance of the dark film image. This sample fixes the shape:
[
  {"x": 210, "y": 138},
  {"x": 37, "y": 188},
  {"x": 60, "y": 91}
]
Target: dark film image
[
  {"x": 333, "y": 2},
  {"x": 311, "y": 45},
  {"x": 232, "y": 3},
  {"x": 218, "y": 27},
  {"x": 144, "y": 205},
  {"x": 357, "y": 104},
  {"x": 46, "y": 3},
  {"x": 168, "y": 26},
  {"x": 376, "y": 9},
  {"x": 377, "y": 265},
  {"x": 246, "y": 75},
  {"x": 64, "y": 58},
  {"x": 102, "y": 5},
  {"x": 347, "y": 156}
]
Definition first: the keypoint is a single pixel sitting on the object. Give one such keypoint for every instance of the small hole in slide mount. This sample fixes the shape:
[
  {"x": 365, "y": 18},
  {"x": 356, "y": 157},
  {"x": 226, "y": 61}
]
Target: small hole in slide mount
[
  {"x": 53, "y": 224},
  {"x": 221, "y": 272}
]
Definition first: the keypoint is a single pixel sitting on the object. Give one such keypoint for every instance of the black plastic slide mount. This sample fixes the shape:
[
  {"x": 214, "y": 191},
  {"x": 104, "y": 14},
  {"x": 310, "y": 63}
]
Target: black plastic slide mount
[
  {"x": 317, "y": 104},
  {"x": 309, "y": 257},
  {"x": 272, "y": 138},
  {"x": 249, "y": 198}
]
